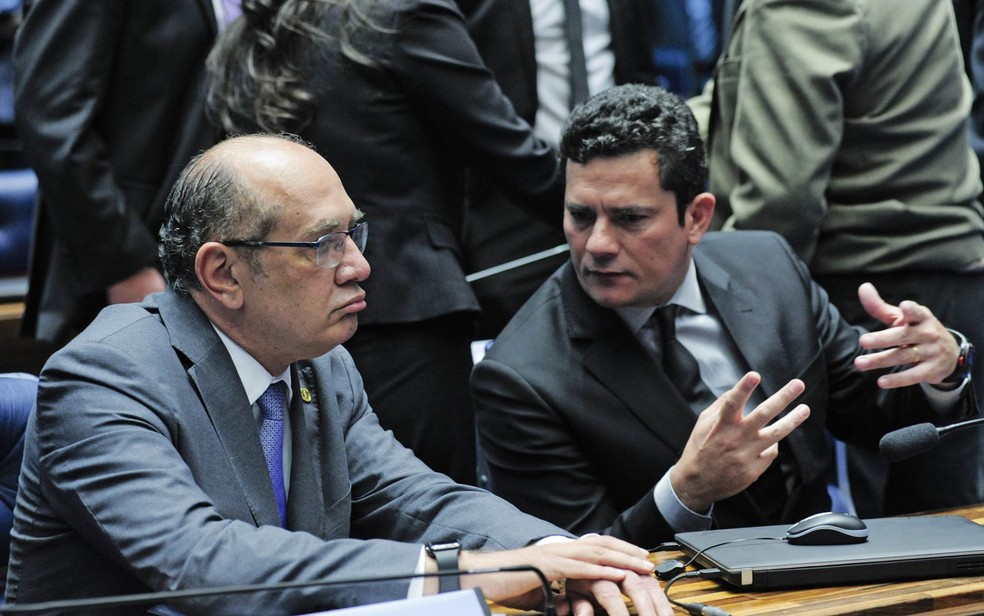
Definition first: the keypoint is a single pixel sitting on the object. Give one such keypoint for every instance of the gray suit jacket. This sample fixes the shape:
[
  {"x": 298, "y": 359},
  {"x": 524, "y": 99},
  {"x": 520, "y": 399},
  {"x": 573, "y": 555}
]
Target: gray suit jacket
[
  {"x": 143, "y": 471},
  {"x": 578, "y": 422}
]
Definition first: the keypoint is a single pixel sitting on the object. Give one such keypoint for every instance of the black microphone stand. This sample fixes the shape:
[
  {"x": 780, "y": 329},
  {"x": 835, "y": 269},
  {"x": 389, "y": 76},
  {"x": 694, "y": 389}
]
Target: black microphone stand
[{"x": 174, "y": 595}]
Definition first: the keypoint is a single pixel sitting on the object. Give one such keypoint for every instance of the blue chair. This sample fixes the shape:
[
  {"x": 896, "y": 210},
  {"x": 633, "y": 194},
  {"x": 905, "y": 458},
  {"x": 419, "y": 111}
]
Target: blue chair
[{"x": 17, "y": 394}]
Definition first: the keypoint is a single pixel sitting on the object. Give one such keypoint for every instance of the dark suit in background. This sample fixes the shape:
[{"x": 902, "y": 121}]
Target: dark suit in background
[
  {"x": 579, "y": 422},
  {"x": 108, "y": 106},
  {"x": 156, "y": 479},
  {"x": 496, "y": 229}
]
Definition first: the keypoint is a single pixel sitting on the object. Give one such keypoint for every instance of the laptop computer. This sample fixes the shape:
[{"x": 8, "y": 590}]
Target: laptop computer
[{"x": 897, "y": 549}]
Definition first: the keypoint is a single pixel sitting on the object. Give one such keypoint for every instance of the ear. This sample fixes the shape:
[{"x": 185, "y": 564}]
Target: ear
[
  {"x": 698, "y": 216},
  {"x": 217, "y": 268}
]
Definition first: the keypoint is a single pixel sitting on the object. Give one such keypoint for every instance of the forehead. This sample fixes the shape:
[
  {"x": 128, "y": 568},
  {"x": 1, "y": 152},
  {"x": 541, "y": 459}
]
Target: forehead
[
  {"x": 305, "y": 188},
  {"x": 621, "y": 180}
]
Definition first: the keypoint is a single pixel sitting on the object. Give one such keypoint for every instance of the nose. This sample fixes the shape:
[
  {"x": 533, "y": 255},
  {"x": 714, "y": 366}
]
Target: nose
[
  {"x": 602, "y": 242},
  {"x": 353, "y": 265}
]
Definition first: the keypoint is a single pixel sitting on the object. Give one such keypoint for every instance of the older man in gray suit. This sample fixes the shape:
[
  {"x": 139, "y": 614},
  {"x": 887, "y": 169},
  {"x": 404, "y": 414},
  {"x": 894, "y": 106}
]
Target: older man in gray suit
[{"x": 157, "y": 458}]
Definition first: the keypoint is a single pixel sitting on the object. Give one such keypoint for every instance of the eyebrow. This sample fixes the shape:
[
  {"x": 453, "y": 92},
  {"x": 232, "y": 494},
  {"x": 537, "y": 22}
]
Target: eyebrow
[
  {"x": 622, "y": 209},
  {"x": 330, "y": 226}
]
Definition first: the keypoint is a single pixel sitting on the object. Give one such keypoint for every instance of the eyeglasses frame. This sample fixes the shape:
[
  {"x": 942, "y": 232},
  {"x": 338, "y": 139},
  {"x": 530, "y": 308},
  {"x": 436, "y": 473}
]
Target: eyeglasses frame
[{"x": 316, "y": 244}]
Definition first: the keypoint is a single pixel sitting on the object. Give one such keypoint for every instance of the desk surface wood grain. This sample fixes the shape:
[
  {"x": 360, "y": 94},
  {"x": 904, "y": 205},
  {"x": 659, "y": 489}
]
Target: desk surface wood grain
[{"x": 939, "y": 596}]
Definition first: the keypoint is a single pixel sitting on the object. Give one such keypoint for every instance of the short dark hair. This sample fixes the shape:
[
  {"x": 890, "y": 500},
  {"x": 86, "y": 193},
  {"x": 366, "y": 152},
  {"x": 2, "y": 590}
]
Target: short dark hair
[
  {"x": 210, "y": 201},
  {"x": 629, "y": 118}
]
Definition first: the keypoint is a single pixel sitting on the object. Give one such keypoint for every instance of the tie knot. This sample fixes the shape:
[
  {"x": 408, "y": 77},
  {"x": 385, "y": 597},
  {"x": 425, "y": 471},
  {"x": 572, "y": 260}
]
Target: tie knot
[
  {"x": 273, "y": 402},
  {"x": 666, "y": 317}
]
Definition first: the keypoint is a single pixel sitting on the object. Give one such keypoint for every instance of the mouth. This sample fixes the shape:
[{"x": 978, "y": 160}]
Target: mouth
[
  {"x": 604, "y": 274},
  {"x": 356, "y": 304}
]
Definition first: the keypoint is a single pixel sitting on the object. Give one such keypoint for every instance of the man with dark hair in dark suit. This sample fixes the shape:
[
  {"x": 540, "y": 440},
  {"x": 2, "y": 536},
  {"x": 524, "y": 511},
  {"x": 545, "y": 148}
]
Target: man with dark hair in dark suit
[
  {"x": 528, "y": 51},
  {"x": 610, "y": 403}
]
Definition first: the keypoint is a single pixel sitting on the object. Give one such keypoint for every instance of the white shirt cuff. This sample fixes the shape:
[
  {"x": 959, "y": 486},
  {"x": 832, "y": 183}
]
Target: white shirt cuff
[
  {"x": 943, "y": 400},
  {"x": 416, "y": 589}
]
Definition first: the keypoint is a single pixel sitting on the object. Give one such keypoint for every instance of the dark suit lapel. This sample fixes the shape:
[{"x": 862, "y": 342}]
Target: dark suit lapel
[
  {"x": 621, "y": 364},
  {"x": 208, "y": 14},
  {"x": 224, "y": 400},
  {"x": 747, "y": 322},
  {"x": 750, "y": 323}
]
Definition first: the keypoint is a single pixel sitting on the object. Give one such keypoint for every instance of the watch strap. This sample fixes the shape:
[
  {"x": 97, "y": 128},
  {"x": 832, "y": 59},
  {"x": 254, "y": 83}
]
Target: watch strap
[
  {"x": 965, "y": 359},
  {"x": 446, "y": 555}
]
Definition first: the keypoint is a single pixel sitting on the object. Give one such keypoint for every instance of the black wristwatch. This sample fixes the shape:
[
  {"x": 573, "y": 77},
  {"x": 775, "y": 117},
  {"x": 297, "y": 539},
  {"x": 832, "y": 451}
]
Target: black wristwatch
[
  {"x": 446, "y": 555},
  {"x": 965, "y": 361}
]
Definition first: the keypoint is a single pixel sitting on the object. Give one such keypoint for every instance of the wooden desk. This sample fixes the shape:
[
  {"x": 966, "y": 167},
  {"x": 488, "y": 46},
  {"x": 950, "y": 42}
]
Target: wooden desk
[{"x": 940, "y": 596}]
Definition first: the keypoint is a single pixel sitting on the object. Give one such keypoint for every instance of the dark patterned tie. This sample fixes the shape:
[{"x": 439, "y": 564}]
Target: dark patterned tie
[
  {"x": 273, "y": 403},
  {"x": 679, "y": 365},
  {"x": 575, "y": 44}
]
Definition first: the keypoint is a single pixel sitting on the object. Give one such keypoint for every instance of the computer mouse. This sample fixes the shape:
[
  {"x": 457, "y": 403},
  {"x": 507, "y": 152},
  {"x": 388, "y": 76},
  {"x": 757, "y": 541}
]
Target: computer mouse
[{"x": 827, "y": 529}]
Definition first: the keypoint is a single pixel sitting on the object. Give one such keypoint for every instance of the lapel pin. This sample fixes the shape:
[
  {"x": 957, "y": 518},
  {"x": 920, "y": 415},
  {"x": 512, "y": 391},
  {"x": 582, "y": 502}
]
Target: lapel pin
[{"x": 305, "y": 394}]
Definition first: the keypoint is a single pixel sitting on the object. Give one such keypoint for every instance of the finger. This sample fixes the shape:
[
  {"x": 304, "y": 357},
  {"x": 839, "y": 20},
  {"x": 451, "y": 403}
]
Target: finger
[
  {"x": 917, "y": 325},
  {"x": 877, "y": 307},
  {"x": 645, "y": 594},
  {"x": 731, "y": 404},
  {"x": 893, "y": 357},
  {"x": 614, "y": 543},
  {"x": 608, "y": 596},
  {"x": 780, "y": 429},
  {"x": 914, "y": 313},
  {"x": 775, "y": 404},
  {"x": 581, "y": 605},
  {"x": 563, "y": 605},
  {"x": 606, "y": 551}
]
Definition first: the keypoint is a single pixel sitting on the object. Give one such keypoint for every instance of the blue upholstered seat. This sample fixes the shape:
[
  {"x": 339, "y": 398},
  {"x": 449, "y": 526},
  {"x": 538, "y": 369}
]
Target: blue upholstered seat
[{"x": 18, "y": 188}]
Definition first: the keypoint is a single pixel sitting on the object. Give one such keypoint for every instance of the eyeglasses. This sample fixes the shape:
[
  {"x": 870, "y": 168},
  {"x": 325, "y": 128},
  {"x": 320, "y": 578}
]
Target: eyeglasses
[{"x": 330, "y": 247}]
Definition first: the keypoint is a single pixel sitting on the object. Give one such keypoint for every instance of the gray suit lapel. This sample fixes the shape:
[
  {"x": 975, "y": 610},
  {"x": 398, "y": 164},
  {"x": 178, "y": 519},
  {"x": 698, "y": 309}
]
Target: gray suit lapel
[
  {"x": 304, "y": 510},
  {"x": 224, "y": 400}
]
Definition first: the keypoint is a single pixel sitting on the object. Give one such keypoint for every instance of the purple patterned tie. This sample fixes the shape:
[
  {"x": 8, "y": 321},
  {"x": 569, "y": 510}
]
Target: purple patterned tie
[
  {"x": 231, "y": 9},
  {"x": 273, "y": 403}
]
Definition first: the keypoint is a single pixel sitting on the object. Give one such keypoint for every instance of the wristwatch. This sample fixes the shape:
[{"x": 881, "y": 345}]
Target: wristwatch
[
  {"x": 446, "y": 555},
  {"x": 965, "y": 361}
]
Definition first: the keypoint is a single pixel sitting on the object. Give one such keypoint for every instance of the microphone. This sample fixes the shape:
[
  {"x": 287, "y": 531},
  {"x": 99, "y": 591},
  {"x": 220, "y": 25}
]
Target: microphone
[
  {"x": 919, "y": 438},
  {"x": 70, "y": 606}
]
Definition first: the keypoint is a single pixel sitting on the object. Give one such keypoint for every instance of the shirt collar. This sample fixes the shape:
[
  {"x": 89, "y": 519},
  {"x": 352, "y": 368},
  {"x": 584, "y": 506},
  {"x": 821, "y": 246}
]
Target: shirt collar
[
  {"x": 252, "y": 374},
  {"x": 687, "y": 295}
]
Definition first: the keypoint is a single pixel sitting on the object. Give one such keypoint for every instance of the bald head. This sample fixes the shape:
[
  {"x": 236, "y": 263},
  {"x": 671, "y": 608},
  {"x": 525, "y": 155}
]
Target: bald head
[{"x": 236, "y": 189}]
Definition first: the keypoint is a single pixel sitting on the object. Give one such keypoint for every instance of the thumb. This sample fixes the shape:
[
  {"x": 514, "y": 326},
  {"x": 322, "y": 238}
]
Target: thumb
[{"x": 877, "y": 307}]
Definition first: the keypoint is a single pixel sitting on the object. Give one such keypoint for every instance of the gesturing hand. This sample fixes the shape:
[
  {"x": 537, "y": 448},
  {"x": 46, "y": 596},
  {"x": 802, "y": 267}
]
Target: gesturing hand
[
  {"x": 727, "y": 452},
  {"x": 913, "y": 337}
]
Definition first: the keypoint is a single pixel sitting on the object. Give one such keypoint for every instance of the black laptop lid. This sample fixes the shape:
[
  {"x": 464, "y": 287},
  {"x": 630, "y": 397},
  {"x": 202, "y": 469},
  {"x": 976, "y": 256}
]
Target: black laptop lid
[{"x": 897, "y": 549}]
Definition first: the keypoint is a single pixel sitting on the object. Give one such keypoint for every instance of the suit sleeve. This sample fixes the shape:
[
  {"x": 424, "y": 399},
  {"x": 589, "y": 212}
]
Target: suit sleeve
[
  {"x": 444, "y": 77},
  {"x": 787, "y": 113},
  {"x": 396, "y": 496},
  {"x": 536, "y": 463},
  {"x": 64, "y": 57}
]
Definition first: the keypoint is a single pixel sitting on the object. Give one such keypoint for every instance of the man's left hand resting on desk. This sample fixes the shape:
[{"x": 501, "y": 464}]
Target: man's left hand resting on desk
[{"x": 598, "y": 571}]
